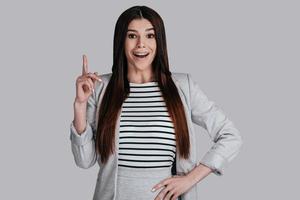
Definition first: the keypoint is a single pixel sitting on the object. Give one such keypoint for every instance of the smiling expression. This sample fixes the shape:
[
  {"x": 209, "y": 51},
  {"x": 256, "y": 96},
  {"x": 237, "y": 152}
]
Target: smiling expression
[{"x": 140, "y": 44}]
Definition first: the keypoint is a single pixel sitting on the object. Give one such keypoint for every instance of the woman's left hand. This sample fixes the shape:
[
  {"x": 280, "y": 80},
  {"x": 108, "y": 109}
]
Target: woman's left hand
[{"x": 173, "y": 187}]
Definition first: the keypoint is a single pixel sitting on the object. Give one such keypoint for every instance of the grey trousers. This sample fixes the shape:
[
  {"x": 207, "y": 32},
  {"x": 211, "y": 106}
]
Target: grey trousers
[{"x": 136, "y": 183}]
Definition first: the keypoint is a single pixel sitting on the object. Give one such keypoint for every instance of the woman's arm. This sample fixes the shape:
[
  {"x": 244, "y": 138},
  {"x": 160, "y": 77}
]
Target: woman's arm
[
  {"x": 226, "y": 137},
  {"x": 198, "y": 173},
  {"x": 79, "y": 121},
  {"x": 82, "y": 131}
]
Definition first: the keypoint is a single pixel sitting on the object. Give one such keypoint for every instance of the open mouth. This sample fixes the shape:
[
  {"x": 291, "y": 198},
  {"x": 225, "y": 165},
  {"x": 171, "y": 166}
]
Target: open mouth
[{"x": 141, "y": 55}]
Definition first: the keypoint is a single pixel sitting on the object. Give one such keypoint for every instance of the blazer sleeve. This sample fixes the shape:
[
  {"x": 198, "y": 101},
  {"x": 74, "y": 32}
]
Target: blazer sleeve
[
  {"x": 225, "y": 136},
  {"x": 83, "y": 145}
]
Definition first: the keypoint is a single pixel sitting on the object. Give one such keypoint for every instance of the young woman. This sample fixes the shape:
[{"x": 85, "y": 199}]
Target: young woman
[{"x": 137, "y": 122}]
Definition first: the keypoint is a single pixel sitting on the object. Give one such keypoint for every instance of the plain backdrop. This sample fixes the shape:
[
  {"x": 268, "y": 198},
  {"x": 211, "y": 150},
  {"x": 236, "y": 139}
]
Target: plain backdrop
[{"x": 244, "y": 54}]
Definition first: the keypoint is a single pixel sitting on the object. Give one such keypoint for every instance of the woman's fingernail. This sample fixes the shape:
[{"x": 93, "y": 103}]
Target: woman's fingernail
[
  {"x": 153, "y": 189},
  {"x": 99, "y": 79},
  {"x": 93, "y": 90}
]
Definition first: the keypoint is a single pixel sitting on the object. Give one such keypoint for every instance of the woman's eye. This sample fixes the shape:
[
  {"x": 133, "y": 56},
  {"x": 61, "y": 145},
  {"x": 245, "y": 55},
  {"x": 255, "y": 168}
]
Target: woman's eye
[
  {"x": 151, "y": 35},
  {"x": 131, "y": 35}
]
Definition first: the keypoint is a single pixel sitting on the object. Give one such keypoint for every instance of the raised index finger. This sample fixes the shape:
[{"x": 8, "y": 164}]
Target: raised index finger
[{"x": 84, "y": 65}]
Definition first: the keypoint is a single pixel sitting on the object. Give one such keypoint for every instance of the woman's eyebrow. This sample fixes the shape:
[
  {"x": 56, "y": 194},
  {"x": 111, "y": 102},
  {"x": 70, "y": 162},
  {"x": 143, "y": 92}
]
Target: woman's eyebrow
[{"x": 148, "y": 29}]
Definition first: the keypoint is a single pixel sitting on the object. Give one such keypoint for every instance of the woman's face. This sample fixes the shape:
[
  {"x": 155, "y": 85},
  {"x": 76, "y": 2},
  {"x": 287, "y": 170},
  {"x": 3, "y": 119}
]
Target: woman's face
[{"x": 140, "y": 44}]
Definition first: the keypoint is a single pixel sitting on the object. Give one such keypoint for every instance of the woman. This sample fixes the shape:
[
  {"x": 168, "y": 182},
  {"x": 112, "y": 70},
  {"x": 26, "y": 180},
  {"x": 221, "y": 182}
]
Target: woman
[{"x": 137, "y": 121}]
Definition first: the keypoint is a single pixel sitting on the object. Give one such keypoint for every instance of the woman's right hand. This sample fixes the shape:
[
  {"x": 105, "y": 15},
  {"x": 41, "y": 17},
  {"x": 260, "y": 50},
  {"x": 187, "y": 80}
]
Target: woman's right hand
[{"x": 85, "y": 83}]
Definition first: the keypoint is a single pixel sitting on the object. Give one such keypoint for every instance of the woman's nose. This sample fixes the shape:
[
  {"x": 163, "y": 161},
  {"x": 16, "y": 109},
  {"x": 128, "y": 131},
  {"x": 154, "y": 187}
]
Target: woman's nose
[{"x": 140, "y": 43}]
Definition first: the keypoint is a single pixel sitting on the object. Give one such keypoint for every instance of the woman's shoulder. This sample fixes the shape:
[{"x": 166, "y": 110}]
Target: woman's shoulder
[
  {"x": 105, "y": 76},
  {"x": 104, "y": 80},
  {"x": 100, "y": 86},
  {"x": 179, "y": 76}
]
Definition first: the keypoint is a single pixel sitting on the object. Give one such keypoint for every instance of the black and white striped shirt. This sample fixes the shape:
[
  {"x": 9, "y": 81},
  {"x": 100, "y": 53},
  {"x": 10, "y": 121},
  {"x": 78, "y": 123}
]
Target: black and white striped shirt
[{"x": 146, "y": 134}]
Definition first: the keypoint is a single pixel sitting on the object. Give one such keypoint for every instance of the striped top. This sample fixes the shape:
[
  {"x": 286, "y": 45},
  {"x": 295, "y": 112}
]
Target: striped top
[{"x": 146, "y": 134}]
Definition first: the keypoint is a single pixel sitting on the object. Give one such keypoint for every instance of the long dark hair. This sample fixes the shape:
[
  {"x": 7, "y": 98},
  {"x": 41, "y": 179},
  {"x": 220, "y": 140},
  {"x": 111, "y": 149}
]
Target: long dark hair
[{"x": 117, "y": 89}]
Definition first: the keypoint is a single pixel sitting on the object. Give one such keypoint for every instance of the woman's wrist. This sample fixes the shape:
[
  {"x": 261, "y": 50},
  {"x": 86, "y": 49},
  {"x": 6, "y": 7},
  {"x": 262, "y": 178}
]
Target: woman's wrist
[
  {"x": 79, "y": 116},
  {"x": 198, "y": 173},
  {"x": 78, "y": 104}
]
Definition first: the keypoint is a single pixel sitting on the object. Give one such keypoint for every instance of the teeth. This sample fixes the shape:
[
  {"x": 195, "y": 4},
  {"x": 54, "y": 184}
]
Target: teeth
[{"x": 141, "y": 54}]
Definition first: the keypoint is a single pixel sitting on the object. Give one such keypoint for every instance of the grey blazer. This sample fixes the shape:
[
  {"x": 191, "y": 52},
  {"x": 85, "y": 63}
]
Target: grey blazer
[{"x": 198, "y": 109}]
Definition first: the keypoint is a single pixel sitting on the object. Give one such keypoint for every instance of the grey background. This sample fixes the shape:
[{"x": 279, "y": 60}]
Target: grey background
[{"x": 245, "y": 54}]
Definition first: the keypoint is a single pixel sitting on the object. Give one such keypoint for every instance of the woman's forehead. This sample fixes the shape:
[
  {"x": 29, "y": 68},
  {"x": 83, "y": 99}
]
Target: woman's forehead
[{"x": 140, "y": 25}]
